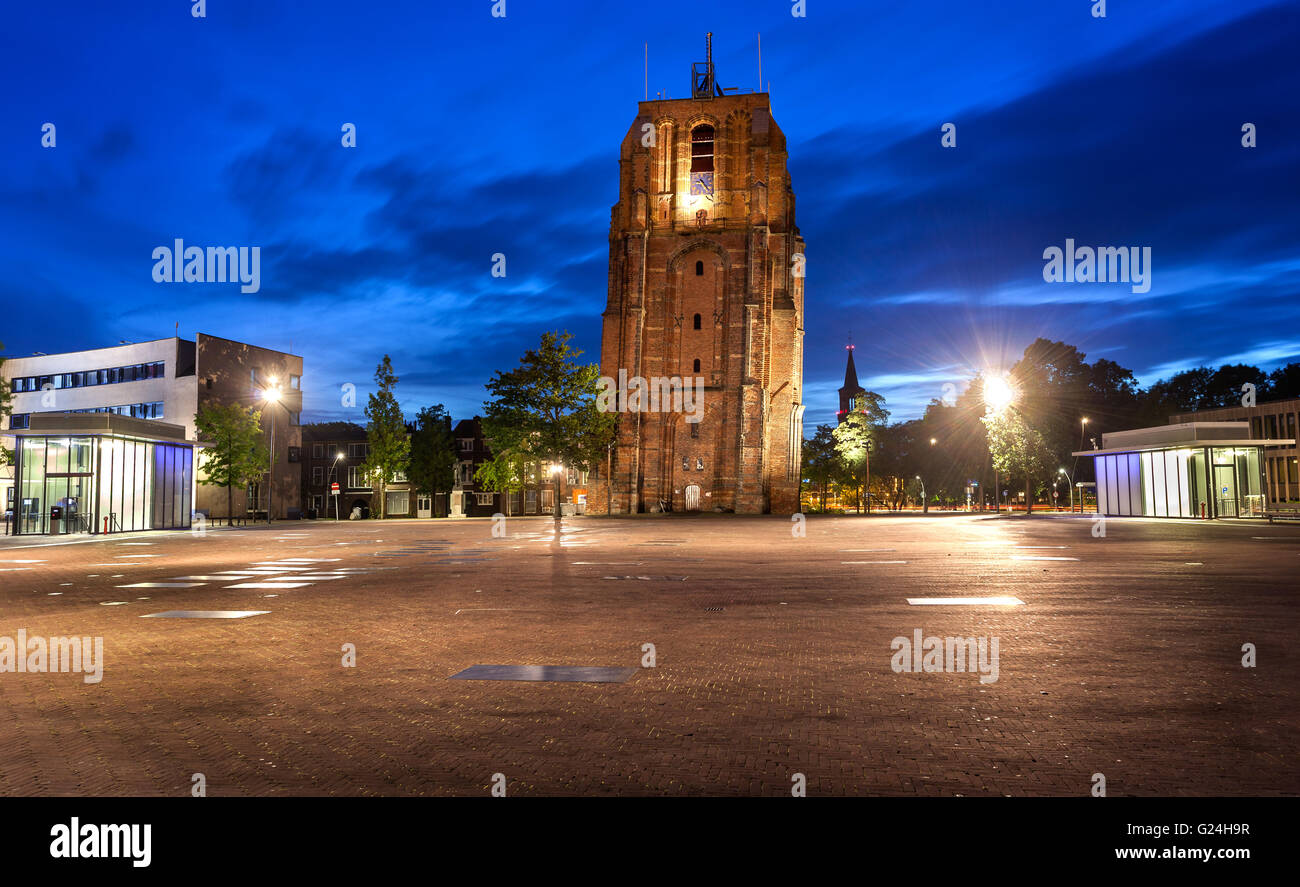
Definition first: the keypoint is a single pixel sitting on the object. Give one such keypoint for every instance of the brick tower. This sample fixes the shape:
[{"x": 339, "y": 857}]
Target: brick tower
[{"x": 705, "y": 285}]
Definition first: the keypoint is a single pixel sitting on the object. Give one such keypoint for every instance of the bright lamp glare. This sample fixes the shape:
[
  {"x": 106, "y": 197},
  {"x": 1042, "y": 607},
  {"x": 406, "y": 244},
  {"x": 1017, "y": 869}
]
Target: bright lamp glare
[
  {"x": 998, "y": 393},
  {"x": 271, "y": 394}
]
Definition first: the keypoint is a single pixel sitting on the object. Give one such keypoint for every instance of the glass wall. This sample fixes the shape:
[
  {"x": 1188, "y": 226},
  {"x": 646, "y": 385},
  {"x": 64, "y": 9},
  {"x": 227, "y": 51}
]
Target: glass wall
[
  {"x": 1173, "y": 483},
  {"x": 102, "y": 484}
]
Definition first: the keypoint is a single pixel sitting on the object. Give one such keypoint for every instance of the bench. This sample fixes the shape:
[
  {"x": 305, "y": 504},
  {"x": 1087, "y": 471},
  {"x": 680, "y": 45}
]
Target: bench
[{"x": 1282, "y": 511}]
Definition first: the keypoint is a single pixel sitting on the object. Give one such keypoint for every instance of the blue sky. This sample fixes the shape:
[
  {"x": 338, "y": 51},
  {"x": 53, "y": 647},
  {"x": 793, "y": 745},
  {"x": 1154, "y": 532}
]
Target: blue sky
[{"x": 478, "y": 135}]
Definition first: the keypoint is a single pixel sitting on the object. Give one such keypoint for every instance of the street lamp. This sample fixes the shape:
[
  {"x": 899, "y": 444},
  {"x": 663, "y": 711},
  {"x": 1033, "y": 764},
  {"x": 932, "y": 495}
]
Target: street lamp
[
  {"x": 1069, "y": 477},
  {"x": 333, "y": 466},
  {"x": 556, "y": 468},
  {"x": 925, "y": 503},
  {"x": 999, "y": 394},
  {"x": 271, "y": 396}
]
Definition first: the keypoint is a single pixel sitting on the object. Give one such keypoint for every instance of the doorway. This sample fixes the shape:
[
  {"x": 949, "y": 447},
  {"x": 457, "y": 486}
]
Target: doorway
[
  {"x": 1225, "y": 490},
  {"x": 424, "y": 506},
  {"x": 692, "y": 497}
]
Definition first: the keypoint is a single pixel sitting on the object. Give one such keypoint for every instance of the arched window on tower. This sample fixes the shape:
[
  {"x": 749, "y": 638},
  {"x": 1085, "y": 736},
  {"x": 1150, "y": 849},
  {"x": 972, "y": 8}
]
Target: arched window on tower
[
  {"x": 697, "y": 364},
  {"x": 702, "y": 161},
  {"x": 697, "y": 322},
  {"x": 699, "y": 270}
]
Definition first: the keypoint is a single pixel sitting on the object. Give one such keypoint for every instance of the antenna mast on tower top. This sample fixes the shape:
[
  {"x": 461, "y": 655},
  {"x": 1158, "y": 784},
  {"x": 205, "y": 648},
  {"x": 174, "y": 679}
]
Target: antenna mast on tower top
[{"x": 704, "y": 83}]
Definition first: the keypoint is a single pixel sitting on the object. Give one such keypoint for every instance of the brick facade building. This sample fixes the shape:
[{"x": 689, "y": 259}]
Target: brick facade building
[{"x": 705, "y": 283}]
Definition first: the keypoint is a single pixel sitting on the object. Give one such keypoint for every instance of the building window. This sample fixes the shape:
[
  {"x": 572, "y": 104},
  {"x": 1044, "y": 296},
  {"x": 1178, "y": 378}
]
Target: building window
[
  {"x": 466, "y": 444},
  {"x": 697, "y": 364},
  {"x": 356, "y": 479},
  {"x": 317, "y": 475},
  {"x": 699, "y": 464},
  {"x": 484, "y": 498},
  {"x": 702, "y": 148},
  {"x": 695, "y": 429},
  {"x": 20, "y": 420},
  {"x": 356, "y": 451},
  {"x": 398, "y": 502},
  {"x": 295, "y": 382},
  {"x": 318, "y": 451},
  {"x": 295, "y": 454},
  {"x": 699, "y": 272},
  {"x": 698, "y": 321}
]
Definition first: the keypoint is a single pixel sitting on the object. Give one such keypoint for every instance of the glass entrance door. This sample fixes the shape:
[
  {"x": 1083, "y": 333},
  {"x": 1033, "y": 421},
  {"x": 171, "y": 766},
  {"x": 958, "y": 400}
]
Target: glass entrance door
[{"x": 1225, "y": 490}]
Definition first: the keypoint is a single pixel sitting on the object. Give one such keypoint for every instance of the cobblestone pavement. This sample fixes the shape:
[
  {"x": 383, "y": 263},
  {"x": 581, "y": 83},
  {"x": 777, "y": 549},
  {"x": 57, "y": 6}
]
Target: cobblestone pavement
[{"x": 773, "y": 658}]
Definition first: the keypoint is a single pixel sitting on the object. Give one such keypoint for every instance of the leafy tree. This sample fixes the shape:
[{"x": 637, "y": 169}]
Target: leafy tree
[
  {"x": 819, "y": 465},
  {"x": 505, "y": 472},
  {"x": 545, "y": 411},
  {"x": 433, "y": 459},
  {"x": 386, "y": 435},
  {"x": 234, "y": 453},
  {"x": 1225, "y": 389},
  {"x": 855, "y": 438},
  {"x": 1284, "y": 381},
  {"x": 1017, "y": 449}
]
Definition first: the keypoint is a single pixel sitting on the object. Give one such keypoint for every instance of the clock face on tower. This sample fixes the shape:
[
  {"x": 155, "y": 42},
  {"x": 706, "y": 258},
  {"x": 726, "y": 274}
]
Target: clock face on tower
[{"x": 702, "y": 183}]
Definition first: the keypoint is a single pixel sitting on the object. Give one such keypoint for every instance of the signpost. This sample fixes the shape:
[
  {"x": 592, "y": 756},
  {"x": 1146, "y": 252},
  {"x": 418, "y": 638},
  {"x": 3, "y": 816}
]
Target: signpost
[{"x": 334, "y": 491}]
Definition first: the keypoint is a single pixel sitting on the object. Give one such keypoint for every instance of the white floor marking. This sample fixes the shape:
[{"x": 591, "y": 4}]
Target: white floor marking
[
  {"x": 113, "y": 603},
  {"x": 19, "y": 560},
  {"x": 965, "y": 601},
  {"x": 163, "y": 585},
  {"x": 205, "y": 614},
  {"x": 15, "y": 569},
  {"x": 209, "y": 578},
  {"x": 135, "y": 557},
  {"x": 270, "y": 585},
  {"x": 873, "y": 562}
]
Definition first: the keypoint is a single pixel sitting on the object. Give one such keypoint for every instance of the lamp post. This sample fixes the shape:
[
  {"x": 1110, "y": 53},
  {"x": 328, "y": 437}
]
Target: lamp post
[
  {"x": 925, "y": 503},
  {"x": 335, "y": 465},
  {"x": 1069, "y": 477},
  {"x": 272, "y": 396},
  {"x": 999, "y": 394},
  {"x": 556, "y": 468}
]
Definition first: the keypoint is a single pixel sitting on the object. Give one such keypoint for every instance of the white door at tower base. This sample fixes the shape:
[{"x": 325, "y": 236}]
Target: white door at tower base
[{"x": 692, "y": 497}]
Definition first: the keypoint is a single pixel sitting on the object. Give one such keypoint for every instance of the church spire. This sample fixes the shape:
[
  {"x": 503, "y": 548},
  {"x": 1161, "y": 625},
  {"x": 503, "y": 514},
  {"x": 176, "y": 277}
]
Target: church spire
[{"x": 852, "y": 388}]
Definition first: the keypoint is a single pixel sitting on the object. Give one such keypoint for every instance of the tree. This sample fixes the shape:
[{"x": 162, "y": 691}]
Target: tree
[
  {"x": 1017, "y": 449},
  {"x": 546, "y": 412},
  {"x": 853, "y": 442},
  {"x": 819, "y": 460},
  {"x": 505, "y": 472},
  {"x": 1284, "y": 381},
  {"x": 854, "y": 439},
  {"x": 433, "y": 459},
  {"x": 234, "y": 454},
  {"x": 387, "y": 440}
]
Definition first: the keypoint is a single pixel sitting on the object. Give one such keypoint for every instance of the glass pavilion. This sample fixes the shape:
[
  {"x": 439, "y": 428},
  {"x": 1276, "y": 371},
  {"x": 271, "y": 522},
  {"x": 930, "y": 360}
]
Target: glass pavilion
[
  {"x": 101, "y": 473},
  {"x": 1193, "y": 469}
]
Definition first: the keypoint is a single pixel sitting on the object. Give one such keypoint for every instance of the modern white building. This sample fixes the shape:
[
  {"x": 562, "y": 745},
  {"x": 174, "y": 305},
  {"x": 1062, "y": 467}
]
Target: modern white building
[
  {"x": 1191, "y": 469},
  {"x": 167, "y": 381}
]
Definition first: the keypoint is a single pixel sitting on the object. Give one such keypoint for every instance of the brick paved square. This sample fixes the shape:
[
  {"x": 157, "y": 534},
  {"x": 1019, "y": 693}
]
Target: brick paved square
[{"x": 771, "y": 653}]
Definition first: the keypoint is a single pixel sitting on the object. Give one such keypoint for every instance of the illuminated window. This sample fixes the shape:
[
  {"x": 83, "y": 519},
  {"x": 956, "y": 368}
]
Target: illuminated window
[{"x": 702, "y": 148}]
